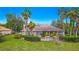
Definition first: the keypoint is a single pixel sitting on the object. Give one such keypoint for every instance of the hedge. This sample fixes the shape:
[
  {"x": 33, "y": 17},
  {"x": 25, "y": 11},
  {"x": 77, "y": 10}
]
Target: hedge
[
  {"x": 31, "y": 38},
  {"x": 71, "y": 38}
]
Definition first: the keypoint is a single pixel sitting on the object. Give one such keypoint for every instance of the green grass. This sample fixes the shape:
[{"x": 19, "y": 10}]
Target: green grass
[{"x": 11, "y": 44}]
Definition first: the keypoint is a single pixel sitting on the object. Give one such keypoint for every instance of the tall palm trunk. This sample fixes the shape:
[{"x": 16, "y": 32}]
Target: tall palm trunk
[
  {"x": 66, "y": 26},
  {"x": 26, "y": 22},
  {"x": 76, "y": 32},
  {"x": 70, "y": 27},
  {"x": 31, "y": 32},
  {"x": 25, "y": 27},
  {"x": 76, "y": 29},
  {"x": 62, "y": 20},
  {"x": 73, "y": 27}
]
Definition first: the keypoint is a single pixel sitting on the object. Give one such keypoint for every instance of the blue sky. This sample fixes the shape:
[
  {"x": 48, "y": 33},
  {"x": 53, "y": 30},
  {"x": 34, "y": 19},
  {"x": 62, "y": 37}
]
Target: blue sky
[{"x": 41, "y": 15}]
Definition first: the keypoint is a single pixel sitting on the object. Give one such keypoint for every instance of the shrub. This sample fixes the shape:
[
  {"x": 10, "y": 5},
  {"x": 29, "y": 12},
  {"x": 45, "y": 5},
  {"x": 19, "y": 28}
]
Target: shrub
[
  {"x": 31, "y": 38},
  {"x": 1, "y": 38},
  {"x": 18, "y": 36},
  {"x": 44, "y": 34},
  {"x": 71, "y": 38},
  {"x": 53, "y": 34},
  {"x": 61, "y": 37}
]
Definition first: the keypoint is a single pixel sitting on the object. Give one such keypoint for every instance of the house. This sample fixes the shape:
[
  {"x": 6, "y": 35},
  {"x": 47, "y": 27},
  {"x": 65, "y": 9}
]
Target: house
[
  {"x": 4, "y": 30},
  {"x": 40, "y": 28}
]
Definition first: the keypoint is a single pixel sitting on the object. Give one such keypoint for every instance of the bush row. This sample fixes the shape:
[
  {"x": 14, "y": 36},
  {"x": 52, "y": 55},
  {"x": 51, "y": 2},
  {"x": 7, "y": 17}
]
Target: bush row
[
  {"x": 31, "y": 38},
  {"x": 71, "y": 38}
]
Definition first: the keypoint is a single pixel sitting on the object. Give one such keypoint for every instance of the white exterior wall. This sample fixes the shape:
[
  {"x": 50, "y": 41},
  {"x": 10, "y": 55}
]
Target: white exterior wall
[
  {"x": 61, "y": 33},
  {"x": 46, "y": 39},
  {"x": 5, "y": 32}
]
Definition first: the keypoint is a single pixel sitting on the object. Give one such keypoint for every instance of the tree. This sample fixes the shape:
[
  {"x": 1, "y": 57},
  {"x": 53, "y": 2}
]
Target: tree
[
  {"x": 62, "y": 13},
  {"x": 26, "y": 15},
  {"x": 54, "y": 23},
  {"x": 31, "y": 25},
  {"x": 72, "y": 14},
  {"x": 10, "y": 20},
  {"x": 76, "y": 18},
  {"x": 57, "y": 23},
  {"x": 13, "y": 22},
  {"x": 19, "y": 24}
]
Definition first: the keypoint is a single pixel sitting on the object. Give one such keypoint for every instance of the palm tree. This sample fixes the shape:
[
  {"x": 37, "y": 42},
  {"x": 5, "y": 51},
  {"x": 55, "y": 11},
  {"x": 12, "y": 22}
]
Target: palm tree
[
  {"x": 31, "y": 25},
  {"x": 72, "y": 14},
  {"x": 75, "y": 17},
  {"x": 62, "y": 13},
  {"x": 66, "y": 25},
  {"x": 26, "y": 15}
]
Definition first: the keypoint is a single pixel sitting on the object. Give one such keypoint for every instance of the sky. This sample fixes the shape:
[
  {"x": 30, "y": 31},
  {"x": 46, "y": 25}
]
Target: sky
[{"x": 40, "y": 15}]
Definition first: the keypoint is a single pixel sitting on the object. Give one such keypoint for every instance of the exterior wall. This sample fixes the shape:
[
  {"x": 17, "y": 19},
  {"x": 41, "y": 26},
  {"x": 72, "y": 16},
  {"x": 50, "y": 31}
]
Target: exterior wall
[
  {"x": 37, "y": 33},
  {"x": 23, "y": 33},
  {"x": 61, "y": 33},
  {"x": 47, "y": 38},
  {"x": 5, "y": 32}
]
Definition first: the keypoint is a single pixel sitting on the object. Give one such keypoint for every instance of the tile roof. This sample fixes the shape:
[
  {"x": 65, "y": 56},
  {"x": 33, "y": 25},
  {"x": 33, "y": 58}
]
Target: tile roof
[
  {"x": 46, "y": 28},
  {"x": 4, "y": 28}
]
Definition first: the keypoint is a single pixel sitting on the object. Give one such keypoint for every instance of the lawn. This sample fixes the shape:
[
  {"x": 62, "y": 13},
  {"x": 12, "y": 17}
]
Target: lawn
[{"x": 11, "y": 44}]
